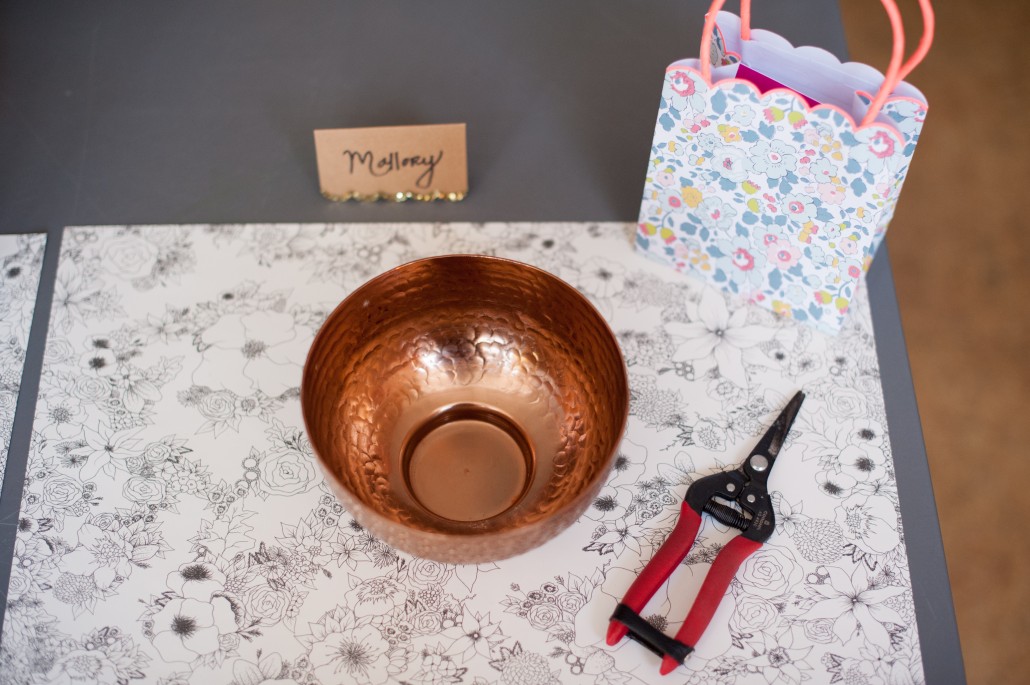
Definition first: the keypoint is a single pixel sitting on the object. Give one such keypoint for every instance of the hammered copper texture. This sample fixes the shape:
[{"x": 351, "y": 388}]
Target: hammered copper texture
[{"x": 464, "y": 331}]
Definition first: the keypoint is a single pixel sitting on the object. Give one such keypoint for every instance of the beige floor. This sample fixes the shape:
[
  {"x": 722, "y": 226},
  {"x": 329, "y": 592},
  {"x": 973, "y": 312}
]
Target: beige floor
[{"x": 959, "y": 245}]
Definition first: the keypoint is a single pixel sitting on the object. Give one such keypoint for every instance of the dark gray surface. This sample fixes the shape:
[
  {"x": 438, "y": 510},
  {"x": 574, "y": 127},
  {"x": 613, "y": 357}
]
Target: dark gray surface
[{"x": 114, "y": 113}]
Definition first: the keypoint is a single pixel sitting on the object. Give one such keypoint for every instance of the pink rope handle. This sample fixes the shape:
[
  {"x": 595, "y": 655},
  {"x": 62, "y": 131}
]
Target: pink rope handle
[
  {"x": 892, "y": 77},
  {"x": 897, "y": 69},
  {"x": 926, "y": 9},
  {"x": 745, "y": 19}
]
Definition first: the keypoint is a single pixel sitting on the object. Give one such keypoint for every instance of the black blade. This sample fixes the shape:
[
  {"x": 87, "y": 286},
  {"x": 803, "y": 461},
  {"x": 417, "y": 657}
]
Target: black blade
[
  {"x": 771, "y": 443},
  {"x": 781, "y": 426}
]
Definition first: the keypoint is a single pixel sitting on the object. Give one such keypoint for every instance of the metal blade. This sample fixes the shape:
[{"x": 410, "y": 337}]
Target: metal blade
[
  {"x": 781, "y": 426},
  {"x": 760, "y": 461}
]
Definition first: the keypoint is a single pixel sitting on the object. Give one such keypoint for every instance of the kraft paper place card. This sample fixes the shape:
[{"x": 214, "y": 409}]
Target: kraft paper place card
[{"x": 393, "y": 163}]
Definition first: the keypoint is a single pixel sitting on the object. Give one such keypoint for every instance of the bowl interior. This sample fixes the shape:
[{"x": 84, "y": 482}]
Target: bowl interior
[{"x": 465, "y": 394}]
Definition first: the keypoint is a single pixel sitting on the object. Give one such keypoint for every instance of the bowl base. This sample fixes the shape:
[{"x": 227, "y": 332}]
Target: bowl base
[{"x": 468, "y": 463}]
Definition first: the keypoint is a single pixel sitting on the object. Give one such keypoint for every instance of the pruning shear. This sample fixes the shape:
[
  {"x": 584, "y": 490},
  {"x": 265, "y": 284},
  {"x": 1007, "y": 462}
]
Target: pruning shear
[{"x": 753, "y": 516}]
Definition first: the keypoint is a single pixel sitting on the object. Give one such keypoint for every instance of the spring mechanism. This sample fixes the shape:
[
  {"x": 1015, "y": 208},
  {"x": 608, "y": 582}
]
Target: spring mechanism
[{"x": 727, "y": 516}]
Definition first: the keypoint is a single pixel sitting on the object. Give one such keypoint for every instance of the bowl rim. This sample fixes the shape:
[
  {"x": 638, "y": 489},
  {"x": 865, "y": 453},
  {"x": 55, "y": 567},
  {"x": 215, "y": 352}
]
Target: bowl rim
[{"x": 369, "y": 512}]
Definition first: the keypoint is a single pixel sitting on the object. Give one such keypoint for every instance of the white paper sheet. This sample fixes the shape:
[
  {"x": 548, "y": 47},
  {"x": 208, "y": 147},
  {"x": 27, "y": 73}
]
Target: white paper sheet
[
  {"x": 21, "y": 258},
  {"x": 175, "y": 528}
]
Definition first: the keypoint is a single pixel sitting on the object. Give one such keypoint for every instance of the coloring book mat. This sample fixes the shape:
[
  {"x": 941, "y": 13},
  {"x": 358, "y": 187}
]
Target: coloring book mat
[
  {"x": 21, "y": 259},
  {"x": 175, "y": 528}
]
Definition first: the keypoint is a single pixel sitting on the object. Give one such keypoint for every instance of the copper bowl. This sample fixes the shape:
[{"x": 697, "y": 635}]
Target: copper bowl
[{"x": 465, "y": 408}]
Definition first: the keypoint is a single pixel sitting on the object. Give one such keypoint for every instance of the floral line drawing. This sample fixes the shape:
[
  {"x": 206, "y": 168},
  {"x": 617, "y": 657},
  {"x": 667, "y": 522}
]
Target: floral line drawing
[
  {"x": 170, "y": 488},
  {"x": 21, "y": 259}
]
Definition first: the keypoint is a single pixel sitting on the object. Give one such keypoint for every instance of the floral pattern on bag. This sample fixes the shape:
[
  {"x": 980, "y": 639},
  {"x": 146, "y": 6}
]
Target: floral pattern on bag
[
  {"x": 174, "y": 527},
  {"x": 781, "y": 204}
]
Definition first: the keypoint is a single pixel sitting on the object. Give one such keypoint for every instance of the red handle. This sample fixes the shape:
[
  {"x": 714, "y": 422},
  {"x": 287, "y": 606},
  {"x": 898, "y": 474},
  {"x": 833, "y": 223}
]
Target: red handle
[
  {"x": 658, "y": 570},
  {"x": 712, "y": 591}
]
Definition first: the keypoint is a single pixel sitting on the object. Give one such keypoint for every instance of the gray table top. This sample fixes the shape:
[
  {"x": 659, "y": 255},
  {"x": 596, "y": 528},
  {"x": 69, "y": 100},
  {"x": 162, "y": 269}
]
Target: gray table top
[{"x": 197, "y": 112}]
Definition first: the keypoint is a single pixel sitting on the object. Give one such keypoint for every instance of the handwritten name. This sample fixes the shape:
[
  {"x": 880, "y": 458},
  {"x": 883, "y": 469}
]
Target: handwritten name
[{"x": 394, "y": 161}]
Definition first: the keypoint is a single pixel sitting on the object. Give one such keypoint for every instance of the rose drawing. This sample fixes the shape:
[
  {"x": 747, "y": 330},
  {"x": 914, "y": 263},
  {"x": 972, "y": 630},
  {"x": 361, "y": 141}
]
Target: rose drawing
[
  {"x": 819, "y": 630},
  {"x": 288, "y": 473},
  {"x": 543, "y": 616},
  {"x": 268, "y": 604},
  {"x": 144, "y": 490},
  {"x": 427, "y": 622},
  {"x": 91, "y": 388},
  {"x": 570, "y": 602},
  {"x": 158, "y": 452},
  {"x": 219, "y": 405},
  {"x": 753, "y": 613},
  {"x": 847, "y": 403},
  {"x": 19, "y": 584},
  {"x": 61, "y": 491},
  {"x": 770, "y": 572},
  {"x": 130, "y": 257},
  {"x": 426, "y": 572}
]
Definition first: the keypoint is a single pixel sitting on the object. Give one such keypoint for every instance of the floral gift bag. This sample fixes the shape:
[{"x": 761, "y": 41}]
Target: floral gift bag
[{"x": 775, "y": 170}]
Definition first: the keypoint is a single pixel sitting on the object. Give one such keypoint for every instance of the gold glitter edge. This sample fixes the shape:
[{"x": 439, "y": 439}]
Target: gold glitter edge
[{"x": 401, "y": 196}]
